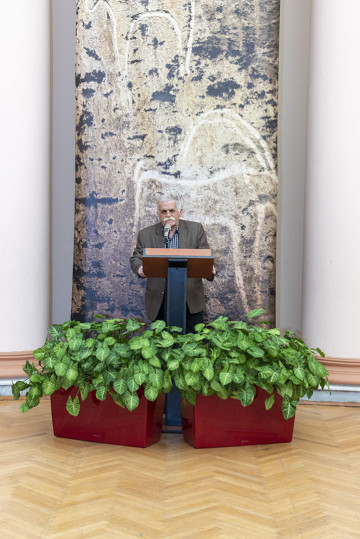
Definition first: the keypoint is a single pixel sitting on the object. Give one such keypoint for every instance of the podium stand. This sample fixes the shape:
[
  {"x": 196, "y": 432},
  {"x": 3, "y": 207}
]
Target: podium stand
[{"x": 176, "y": 265}]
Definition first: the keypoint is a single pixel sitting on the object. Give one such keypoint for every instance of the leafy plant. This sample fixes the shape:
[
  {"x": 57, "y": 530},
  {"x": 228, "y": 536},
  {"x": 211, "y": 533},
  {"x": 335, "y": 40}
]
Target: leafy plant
[
  {"x": 111, "y": 356},
  {"x": 224, "y": 358},
  {"x": 230, "y": 359}
]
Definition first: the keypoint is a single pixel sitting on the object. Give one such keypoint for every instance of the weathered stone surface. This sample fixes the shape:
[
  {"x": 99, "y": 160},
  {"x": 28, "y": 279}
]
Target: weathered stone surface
[{"x": 176, "y": 97}]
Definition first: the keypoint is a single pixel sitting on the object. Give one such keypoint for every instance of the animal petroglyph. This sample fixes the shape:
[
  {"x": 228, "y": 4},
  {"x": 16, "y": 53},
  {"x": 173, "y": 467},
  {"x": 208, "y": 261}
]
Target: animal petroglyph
[{"x": 177, "y": 98}]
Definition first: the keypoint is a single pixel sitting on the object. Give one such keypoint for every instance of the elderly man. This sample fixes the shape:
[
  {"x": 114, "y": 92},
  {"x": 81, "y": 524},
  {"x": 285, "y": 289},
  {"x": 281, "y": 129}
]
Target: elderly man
[{"x": 183, "y": 235}]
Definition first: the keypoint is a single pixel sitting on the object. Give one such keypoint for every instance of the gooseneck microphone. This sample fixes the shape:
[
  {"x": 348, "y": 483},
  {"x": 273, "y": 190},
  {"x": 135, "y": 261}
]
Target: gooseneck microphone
[{"x": 167, "y": 229}]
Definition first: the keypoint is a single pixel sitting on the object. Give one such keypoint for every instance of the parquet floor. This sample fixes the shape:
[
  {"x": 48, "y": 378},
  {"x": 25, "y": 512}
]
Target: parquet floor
[{"x": 60, "y": 488}]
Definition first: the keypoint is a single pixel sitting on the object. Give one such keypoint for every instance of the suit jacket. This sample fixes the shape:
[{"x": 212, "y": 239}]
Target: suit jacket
[{"x": 191, "y": 236}]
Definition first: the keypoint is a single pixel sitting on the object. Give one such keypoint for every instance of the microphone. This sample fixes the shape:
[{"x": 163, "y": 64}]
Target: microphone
[{"x": 167, "y": 229}]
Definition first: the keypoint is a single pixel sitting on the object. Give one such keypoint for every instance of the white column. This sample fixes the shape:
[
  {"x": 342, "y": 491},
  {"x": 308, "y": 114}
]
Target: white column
[
  {"x": 331, "y": 279},
  {"x": 25, "y": 174}
]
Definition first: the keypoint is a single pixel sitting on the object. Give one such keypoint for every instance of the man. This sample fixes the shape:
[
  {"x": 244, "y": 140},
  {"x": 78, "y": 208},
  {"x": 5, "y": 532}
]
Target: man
[{"x": 183, "y": 235}]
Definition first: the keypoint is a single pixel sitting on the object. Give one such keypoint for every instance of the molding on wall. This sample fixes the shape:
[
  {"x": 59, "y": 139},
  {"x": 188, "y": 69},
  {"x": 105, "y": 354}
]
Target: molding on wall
[
  {"x": 11, "y": 363},
  {"x": 342, "y": 370}
]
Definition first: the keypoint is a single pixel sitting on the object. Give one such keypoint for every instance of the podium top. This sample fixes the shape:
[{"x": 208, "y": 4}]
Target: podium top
[
  {"x": 179, "y": 253},
  {"x": 199, "y": 261}
]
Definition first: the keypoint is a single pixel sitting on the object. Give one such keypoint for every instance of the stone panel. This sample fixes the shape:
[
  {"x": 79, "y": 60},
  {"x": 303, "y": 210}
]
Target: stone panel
[{"x": 176, "y": 98}]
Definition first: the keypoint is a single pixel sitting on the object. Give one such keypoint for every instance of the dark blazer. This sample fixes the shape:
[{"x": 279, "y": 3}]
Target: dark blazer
[{"x": 191, "y": 236}]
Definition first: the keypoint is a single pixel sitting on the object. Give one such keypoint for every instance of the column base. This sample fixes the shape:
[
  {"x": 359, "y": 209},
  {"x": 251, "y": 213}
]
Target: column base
[
  {"x": 342, "y": 370},
  {"x": 11, "y": 363}
]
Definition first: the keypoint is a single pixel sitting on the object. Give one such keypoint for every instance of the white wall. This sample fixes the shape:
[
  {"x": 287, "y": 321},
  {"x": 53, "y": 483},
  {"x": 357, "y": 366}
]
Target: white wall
[
  {"x": 25, "y": 174},
  {"x": 294, "y": 50},
  {"x": 293, "y": 82},
  {"x": 63, "y": 192}
]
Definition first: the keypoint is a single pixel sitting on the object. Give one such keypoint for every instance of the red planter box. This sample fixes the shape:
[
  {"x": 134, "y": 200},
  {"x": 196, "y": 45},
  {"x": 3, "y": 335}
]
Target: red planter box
[
  {"x": 214, "y": 422},
  {"x": 106, "y": 422}
]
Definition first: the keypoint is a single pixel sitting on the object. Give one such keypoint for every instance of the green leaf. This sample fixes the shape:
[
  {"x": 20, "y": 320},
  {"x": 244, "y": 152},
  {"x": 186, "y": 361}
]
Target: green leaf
[
  {"x": 101, "y": 393},
  {"x": 56, "y": 331},
  {"x": 61, "y": 368},
  {"x": 320, "y": 352},
  {"x": 36, "y": 378},
  {"x": 151, "y": 393},
  {"x": 136, "y": 343},
  {"x": 266, "y": 372},
  {"x": 254, "y": 313},
  {"x": 102, "y": 351},
  {"x": 84, "y": 388},
  {"x": 196, "y": 364},
  {"x": 133, "y": 325},
  {"x": 156, "y": 378},
  {"x": 255, "y": 351},
  {"x": 108, "y": 326},
  {"x": 288, "y": 408},
  {"x": 238, "y": 376},
  {"x": 299, "y": 372},
  {"x": 83, "y": 353},
  {"x": 24, "y": 408},
  {"x": 175, "y": 329},
  {"x": 73, "y": 406},
  {"x": 173, "y": 364},
  {"x": 158, "y": 327},
  {"x": 123, "y": 350},
  {"x": 155, "y": 362},
  {"x": 39, "y": 354},
  {"x": 225, "y": 377},
  {"x": 167, "y": 384},
  {"x": 139, "y": 378},
  {"x": 110, "y": 375},
  {"x": 110, "y": 341},
  {"x": 71, "y": 333},
  {"x": 60, "y": 349},
  {"x": 76, "y": 342},
  {"x": 50, "y": 363},
  {"x": 192, "y": 378},
  {"x": 48, "y": 385},
  {"x": 33, "y": 396},
  {"x": 214, "y": 384},
  {"x": 199, "y": 327},
  {"x": 72, "y": 373},
  {"x": 120, "y": 386},
  {"x": 85, "y": 325},
  {"x": 179, "y": 380},
  {"x": 167, "y": 339},
  {"x": 208, "y": 372},
  {"x": 317, "y": 368},
  {"x": 246, "y": 395},
  {"x": 132, "y": 385},
  {"x": 148, "y": 352},
  {"x": 313, "y": 380},
  {"x": 22, "y": 385},
  {"x": 117, "y": 399},
  {"x": 15, "y": 391},
  {"x": 269, "y": 402},
  {"x": 131, "y": 401}
]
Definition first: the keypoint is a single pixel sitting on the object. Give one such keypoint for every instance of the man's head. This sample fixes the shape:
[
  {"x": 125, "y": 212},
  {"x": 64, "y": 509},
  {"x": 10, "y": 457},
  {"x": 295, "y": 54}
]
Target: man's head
[{"x": 169, "y": 212}]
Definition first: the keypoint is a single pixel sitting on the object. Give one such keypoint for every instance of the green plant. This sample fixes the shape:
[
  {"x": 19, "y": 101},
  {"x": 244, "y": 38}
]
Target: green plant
[
  {"x": 111, "y": 356},
  {"x": 224, "y": 358},
  {"x": 230, "y": 359}
]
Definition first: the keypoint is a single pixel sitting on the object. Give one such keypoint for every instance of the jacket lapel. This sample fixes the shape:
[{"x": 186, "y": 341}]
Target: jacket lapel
[
  {"x": 183, "y": 233},
  {"x": 159, "y": 237}
]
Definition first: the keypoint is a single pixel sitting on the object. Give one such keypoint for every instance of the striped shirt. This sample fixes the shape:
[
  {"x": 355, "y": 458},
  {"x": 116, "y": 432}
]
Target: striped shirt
[{"x": 173, "y": 241}]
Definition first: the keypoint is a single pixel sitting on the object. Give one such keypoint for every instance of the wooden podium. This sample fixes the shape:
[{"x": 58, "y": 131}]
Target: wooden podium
[{"x": 176, "y": 265}]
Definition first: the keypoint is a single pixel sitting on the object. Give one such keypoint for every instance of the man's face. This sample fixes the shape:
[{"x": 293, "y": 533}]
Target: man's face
[{"x": 168, "y": 213}]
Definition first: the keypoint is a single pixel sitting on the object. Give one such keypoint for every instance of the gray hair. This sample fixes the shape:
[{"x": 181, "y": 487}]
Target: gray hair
[{"x": 167, "y": 198}]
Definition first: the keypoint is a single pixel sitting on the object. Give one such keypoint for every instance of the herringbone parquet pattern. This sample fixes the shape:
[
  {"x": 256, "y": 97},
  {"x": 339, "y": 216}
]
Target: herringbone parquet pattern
[{"x": 59, "y": 488}]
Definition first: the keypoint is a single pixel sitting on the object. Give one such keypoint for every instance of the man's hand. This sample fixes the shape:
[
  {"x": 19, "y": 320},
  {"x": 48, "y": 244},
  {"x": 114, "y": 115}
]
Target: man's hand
[{"x": 141, "y": 273}]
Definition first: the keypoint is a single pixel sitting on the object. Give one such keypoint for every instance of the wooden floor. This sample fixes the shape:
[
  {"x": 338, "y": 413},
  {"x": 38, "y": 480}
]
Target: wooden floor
[{"x": 59, "y": 488}]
